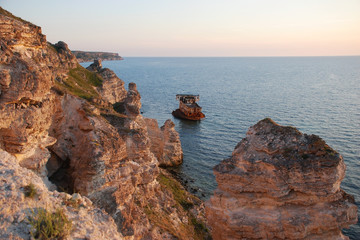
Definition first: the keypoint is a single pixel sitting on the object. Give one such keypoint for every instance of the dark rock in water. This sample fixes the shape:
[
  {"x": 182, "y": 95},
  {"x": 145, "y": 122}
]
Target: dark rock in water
[{"x": 280, "y": 184}]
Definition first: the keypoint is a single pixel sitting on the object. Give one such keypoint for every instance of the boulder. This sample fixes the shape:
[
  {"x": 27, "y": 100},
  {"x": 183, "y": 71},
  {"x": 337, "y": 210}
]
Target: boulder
[{"x": 280, "y": 184}]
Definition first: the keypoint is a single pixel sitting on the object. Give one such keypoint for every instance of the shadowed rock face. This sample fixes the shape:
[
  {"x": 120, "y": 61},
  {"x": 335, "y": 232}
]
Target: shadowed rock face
[{"x": 280, "y": 183}]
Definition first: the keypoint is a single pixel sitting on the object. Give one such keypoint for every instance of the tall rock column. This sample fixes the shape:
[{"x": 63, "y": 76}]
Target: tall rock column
[
  {"x": 165, "y": 143},
  {"x": 173, "y": 154},
  {"x": 280, "y": 184}
]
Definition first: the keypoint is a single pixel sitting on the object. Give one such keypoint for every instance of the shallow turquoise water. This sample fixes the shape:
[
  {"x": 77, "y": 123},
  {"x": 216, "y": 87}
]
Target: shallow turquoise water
[{"x": 318, "y": 95}]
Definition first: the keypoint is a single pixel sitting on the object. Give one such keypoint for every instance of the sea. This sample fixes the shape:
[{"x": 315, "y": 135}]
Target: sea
[{"x": 317, "y": 95}]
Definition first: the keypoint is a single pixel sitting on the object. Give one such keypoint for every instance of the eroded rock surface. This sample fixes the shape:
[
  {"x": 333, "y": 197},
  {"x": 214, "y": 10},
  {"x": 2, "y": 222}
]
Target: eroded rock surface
[
  {"x": 165, "y": 143},
  {"x": 280, "y": 184},
  {"x": 88, "y": 221},
  {"x": 28, "y": 68},
  {"x": 111, "y": 162},
  {"x": 112, "y": 88}
]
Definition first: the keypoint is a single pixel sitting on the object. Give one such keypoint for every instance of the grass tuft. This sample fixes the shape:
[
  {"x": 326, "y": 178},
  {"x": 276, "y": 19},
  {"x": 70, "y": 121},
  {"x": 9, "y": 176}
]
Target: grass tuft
[
  {"x": 46, "y": 225},
  {"x": 30, "y": 190},
  {"x": 199, "y": 227}
]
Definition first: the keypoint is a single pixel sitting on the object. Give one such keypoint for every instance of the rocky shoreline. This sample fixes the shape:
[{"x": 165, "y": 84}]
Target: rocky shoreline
[{"x": 75, "y": 147}]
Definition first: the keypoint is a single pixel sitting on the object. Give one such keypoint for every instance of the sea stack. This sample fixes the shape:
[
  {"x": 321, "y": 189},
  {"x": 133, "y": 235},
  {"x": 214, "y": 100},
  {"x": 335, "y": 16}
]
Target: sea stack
[{"x": 280, "y": 184}]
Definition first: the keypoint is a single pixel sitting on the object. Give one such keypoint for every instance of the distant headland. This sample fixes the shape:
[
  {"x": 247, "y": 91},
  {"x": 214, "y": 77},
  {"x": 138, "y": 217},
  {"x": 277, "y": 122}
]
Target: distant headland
[{"x": 83, "y": 56}]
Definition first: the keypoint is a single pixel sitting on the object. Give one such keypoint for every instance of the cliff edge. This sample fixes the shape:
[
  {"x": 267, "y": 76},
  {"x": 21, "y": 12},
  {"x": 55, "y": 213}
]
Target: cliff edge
[
  {"x": 74, "y": 140},
  {"x": 280, "y": 184}
]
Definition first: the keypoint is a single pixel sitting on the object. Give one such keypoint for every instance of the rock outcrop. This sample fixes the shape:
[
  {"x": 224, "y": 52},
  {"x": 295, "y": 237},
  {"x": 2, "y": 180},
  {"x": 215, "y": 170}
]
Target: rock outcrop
[
  {"x": 280, "y": 184},
  {"x": 29, "y": 66},
  {"x": 165, "y": 143},
  {"x": 59, "y": 130},
  {"x": 88, "y": 222},
  {"x": 112, "y": 88},
  {"x": 132, "y": 101},
  {"x": 111, "y": 163}
]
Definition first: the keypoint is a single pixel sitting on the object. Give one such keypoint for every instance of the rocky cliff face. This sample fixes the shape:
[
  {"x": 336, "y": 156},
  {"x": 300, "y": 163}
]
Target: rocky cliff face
[
  {"x": 280, "y": 184},
  {"x": 112, "y": 88},
  {"x": 28, "y": 68},
  {"x": 108, "y": 159},
  {"x": 88, "y": 221},
  {"x": 165, "y": 143},
  {"x": 58, "y": 124}
]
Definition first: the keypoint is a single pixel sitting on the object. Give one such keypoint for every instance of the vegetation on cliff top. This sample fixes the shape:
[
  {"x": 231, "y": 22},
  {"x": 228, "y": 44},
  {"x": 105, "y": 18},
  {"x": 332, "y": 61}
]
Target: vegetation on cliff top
[
  {"x": 82, "y": 83},
  {"x": 10, "y": 15}
]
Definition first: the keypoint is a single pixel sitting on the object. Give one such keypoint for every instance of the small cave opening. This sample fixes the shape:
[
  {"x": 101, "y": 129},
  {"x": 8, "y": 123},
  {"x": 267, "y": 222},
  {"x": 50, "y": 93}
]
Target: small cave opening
[{"x": 59, "y": 173}]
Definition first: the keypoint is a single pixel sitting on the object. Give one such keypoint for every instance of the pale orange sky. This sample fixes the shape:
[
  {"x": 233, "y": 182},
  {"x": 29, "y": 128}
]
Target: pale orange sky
[{"x": 199, "y": 27}]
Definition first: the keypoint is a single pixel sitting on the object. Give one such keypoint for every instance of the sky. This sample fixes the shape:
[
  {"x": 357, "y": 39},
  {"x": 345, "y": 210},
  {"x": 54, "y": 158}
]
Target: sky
[{"x": 198, "y": 27}]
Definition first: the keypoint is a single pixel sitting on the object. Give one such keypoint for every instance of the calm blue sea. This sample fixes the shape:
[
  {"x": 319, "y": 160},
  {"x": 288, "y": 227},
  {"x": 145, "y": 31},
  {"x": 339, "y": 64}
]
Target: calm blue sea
[{"x": 317, "y": 95}]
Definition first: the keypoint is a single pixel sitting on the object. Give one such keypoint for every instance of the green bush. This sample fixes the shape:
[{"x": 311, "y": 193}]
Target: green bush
[
  {"x": 30, "y": 191},
  {"x": 46, "y": 225}
]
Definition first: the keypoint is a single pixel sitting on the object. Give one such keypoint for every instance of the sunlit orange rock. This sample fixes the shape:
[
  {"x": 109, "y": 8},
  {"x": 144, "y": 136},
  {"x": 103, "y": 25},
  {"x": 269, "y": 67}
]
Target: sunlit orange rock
[{"x": 280, "y": 184}]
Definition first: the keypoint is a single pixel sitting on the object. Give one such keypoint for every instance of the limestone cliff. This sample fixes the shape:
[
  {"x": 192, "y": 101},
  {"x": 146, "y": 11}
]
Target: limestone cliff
[
  {"x": 88, "y": 222},
  {"x": 280, "y": 184},
  {"x": 112, "y": 88},
  {"x": 28, "y": 68},
  {"x": 84, "y": 56},
  {"x": 165, "y": 143},
  {"x": 59, "y": 131}
]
